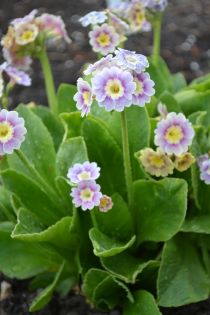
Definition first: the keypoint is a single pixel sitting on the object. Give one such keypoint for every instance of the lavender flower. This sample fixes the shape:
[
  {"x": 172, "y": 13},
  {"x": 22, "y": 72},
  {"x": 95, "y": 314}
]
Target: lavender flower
[
  {"x": 86, "y": 195},
  {"x": 17, "y": 61},
  {"x": 17, "y": 76},
  {"x": 53, "y": 27},
  {"x": 12, "y": 131},
  {"x": 130, "y": 60},
  {"x": 144, "y": 89},
  {"x": 83, "y": 97},
  {"x": 174, "y": 134},
  {"x": 157, "y": 5},
  {"x": 205, "y": 171},
  {"x": 26, "y": 19},
  {"x": 201, "y": 159},
  {"x": 99, "y": 65},
  {"x": 1, "y": 85},
  {"x": 156, "y": 163},
  {"x": 104, "y": 39},
  {"x": 120, "y": 26},
  {"x": 81, "y": 172},
  {"x": 113, "y": 88},
  {"x": 106, "y": 203},
  {"x": 162, "y": 110},
  {"x": 93, "y": 18}
]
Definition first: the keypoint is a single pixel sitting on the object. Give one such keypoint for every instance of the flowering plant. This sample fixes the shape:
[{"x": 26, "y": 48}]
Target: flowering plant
[{"x": 106, "y": 189}]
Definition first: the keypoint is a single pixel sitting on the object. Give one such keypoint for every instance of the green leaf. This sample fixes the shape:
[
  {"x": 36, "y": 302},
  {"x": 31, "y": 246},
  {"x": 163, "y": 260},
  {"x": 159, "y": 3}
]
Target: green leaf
[
  {"x": 179, "y": 82},
  {"x": 105, "y": 246},
  {"x": 66, "y": 103},
  {"x": 160, "y": 208},
  {"x": 101, "y": 144},
  {"x": 72, "y": 124},
  {"x": 45, "y": 296},
  {"x": 37, "y": 147},
  {"x": 22, "y": 260},
  {"x": 70, "y": 152},
  {"x": 170, "y": 102},
  {"x": 193, "y": 101},
  {"x": 144, "y": 304},
  {"x": 182, "y": 278},
  {"x": 30, "y": 194},
  {"x": 103, "y": 290},
  {"x": 138, "y": 132},
  {"x": 129, "y": 267},
  {"x": 117, "y": 222},
  {"x": 30, "y": 229},
  {"x": 197, "y": 224},
  {"x": 6, "y": 211},
  {"x": 52, "y": 123},
  {"x": 161, "y": 76}
]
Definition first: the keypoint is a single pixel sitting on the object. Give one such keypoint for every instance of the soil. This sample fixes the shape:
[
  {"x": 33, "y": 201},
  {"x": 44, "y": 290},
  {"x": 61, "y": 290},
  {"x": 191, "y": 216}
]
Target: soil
[{"x": 185, "y": 47}]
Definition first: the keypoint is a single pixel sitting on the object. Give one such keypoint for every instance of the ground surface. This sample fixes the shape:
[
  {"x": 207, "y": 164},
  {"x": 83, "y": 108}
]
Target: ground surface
[{"x": 185, "y": 47}]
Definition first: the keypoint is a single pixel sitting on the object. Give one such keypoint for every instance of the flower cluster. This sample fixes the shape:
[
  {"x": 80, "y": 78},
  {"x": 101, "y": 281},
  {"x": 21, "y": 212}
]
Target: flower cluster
[
  {"x": 173, "y": 136},
  {"x": 87, "y": 194},
  {"x": 26, "y": 36},
  {"x": 157, "y": 5},
  {"x": 108, "y": 31},
  {"x": 12, "y": 131},
  {"x": 204, "y": 165},
  {"x": 116, "y": 82}
]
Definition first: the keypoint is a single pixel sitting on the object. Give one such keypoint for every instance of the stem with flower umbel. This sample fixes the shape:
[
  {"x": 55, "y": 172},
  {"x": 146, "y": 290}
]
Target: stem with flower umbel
[
  {"x": 126, "y": 157},
  {"x": 157, "y": 36},
  {"x": 49, "y": 82}
]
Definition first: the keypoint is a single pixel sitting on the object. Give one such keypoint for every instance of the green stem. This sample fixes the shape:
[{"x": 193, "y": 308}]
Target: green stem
[
  {"x": 5, "y": 96},
  {"x": 49, "y": 82},
  {"x": 157, "y": 36},
  {"x": 51, "y": 193},
  {"x": 126, "y": 157},
  {"x": 93, "y": 218}
]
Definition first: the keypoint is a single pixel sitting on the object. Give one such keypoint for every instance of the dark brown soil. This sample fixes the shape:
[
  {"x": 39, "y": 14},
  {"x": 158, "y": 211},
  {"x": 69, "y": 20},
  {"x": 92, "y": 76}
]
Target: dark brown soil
[{"x": 185, "y": 47}]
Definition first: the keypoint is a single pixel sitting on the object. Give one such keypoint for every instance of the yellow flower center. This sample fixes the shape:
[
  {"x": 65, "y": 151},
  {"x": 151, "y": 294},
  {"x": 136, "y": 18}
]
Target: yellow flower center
[
  {"x": 6, "y": 132},
  {"x": 156, "y": 161},
  {"x": 103, "y": 202},
  {"x": 86, "y": 97},
  {"x": 139, "y": 87},
  {"x": 86, "y": 194},
  {"x": 27, "y": 35},
  {"x": 131, "y": 59},
  {"x": 104, "y": 39},
  {"x": 84, "y": 175},
  {"x": 114, "y": 88},
  {"x": 138, "y": 18},
  {"x": 174, "y": 134}
]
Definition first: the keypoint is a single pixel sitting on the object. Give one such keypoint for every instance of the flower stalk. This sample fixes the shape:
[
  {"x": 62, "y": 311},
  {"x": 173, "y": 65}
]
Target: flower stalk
[
  {"x": 126, "y": 157},
  {"x": 49, "y": 82},
  {"x": 157, "y": 36}
]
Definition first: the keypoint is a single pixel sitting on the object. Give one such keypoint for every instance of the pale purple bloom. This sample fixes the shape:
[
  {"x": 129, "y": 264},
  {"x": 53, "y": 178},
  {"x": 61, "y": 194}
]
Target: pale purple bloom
[
  {"x": 130, "y": 60},
  {"x": 86, "y": 195},
  {"x": 93, "y": 18},
  {"x": 202, "y": 158},
  {"x": 120, "y": 26},
  {"x": 83, "y": 97},
  {"x": 16, "y": 61},
  {"x": 26, "y": 19},
  {"x": 53, "y": 26},
  {"x": 162, "y": 110},
  {"x": 146, "y": 26},
  {"x": 12, "y": 131},
  {"x": 81, "y": 172},
  {"x": 104, "y": 39},
  {"x": 157, "y": 5},
  {"x": 144, "y": 89},
  {"x": 113, "y": 88},
  {"x": 99, "y": 65},
  {"x": 205, "y": 171},
  {"x": 174, "y": 134},
  {"x": 17, "y": 76}
]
